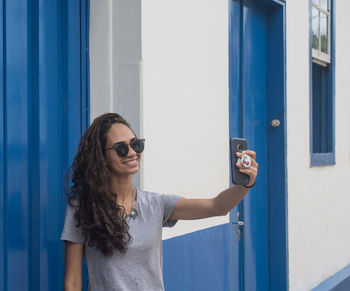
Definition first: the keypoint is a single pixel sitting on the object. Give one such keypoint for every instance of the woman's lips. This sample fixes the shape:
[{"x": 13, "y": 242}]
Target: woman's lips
[{"x": 131, "y": 163}]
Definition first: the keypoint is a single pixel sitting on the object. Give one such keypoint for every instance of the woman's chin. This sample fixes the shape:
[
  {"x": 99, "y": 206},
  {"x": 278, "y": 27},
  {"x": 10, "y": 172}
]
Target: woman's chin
[
  {"x": 134, "y": 170},
  {"x": 125, "y": 172}
]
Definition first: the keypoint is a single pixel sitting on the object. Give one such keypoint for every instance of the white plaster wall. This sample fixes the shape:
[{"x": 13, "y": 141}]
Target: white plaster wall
[
  {"x": 185, "y": 101},
  {"x": 318, "y": 197},
  {"x": 115, "y": 59}
]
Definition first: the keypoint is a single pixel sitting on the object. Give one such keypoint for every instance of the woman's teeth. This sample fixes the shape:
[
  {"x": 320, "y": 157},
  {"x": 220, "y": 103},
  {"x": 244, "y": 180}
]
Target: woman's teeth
[{"x": 130, "y": 162}]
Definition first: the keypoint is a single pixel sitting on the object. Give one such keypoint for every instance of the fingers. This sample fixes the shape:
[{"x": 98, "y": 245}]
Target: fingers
[
  {"x": 253, "y": 164},
  {"x": 252, "y": 154},
  {"x": 252, "y": 171}
]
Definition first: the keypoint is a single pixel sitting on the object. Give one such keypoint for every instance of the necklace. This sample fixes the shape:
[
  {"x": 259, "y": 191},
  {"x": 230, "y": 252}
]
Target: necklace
[{"x": 133, "y": 212}]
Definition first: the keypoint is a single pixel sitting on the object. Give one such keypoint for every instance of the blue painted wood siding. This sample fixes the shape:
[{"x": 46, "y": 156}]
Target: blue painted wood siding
[{"x": 43, "y": 101}]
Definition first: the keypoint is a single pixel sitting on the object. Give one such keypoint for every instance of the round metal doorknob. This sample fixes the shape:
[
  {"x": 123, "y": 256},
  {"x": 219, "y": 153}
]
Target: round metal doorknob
[{"x": 275, "y": 123}]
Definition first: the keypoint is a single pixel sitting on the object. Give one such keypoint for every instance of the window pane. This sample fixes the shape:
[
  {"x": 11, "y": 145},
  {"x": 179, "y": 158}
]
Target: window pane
[
  {"x": 324, "y": 32},
  {"x": 315, "y": 32},
  {"x": 324, "y": 4},
  {"x": 317, "y": 2},
  {"x": 321, "y": 110}
]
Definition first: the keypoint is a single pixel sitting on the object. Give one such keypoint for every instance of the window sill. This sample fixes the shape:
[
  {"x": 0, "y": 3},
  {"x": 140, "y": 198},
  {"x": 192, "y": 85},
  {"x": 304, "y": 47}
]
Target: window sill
[{"x": 322, "y": 159}]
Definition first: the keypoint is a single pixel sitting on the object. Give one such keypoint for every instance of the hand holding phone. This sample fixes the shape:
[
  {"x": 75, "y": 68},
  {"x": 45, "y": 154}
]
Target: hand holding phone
[{"x": 238, "y": 145}]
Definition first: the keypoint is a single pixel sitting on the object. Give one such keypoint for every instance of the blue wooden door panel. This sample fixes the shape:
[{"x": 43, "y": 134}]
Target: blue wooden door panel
[
  {"x": 257, "y": 95},
  {"x": 254, "y": 110},
  {"x": 235, "y": 103},
  {"x": 42, "y": 90},
  {"x": 17, "y": 236},
  {"x": 2, "y": 155},
  {"x": 278, "y": 228},
  {"x": 52, "y": 137}
]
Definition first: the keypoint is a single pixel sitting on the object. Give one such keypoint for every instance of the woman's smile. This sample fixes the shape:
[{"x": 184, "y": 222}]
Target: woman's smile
[{"x": 132, "y": 162}]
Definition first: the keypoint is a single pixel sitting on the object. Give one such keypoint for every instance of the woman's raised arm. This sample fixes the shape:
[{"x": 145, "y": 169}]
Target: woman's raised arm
[{"x": 222, "y": 203}]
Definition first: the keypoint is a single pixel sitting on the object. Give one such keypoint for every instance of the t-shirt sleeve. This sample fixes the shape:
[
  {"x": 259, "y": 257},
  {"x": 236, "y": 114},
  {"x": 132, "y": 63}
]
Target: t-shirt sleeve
[
  {"x": 70, "y": 231},
  {"x": 169, "y": 202}
]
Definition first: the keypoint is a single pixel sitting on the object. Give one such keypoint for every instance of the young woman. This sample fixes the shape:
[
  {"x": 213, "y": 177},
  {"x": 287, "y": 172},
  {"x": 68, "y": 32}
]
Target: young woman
[{"x": 119, "y": 227}]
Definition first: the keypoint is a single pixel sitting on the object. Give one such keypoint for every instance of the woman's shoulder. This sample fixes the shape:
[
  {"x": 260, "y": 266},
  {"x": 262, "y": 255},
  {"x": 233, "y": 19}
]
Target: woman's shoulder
[
  {"x": 143, "y": 194},
  {"x": 155, "y": 197},
  {"x": 150, "y": 197}
]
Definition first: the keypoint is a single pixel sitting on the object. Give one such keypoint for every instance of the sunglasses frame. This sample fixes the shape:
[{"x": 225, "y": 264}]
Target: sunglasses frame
[{"x": 115, "y": 146}]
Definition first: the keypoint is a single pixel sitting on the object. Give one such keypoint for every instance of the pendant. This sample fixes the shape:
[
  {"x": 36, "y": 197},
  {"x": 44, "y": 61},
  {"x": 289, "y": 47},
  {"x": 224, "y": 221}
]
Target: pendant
[{"x": 133, "y": 213}]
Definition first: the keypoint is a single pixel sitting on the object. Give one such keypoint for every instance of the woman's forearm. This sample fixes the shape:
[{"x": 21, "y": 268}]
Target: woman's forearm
[
  {"x": 229, "y": 198},
  {"x": 70, "y": 287}
]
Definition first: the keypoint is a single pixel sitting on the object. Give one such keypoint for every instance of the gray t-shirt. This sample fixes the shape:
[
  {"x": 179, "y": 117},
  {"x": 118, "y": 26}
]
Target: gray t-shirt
[{"x": 141, "y": 267}]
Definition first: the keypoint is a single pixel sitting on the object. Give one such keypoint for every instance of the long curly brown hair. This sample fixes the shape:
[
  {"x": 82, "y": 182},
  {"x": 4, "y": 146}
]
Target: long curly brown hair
[{"x": 97, "y": 212}]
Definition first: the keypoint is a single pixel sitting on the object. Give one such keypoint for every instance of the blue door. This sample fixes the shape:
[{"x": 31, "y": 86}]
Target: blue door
[
  {"x": 43, "y": 111},
  {"x": 256, "y": 99}
]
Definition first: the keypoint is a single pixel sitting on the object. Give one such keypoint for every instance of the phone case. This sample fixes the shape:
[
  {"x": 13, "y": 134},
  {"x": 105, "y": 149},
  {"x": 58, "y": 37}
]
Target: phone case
[{"x": 238, "y": 145}]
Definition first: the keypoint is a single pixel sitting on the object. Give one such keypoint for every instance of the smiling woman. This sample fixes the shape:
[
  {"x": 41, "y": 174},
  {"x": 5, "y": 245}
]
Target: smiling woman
[{"x": 119, "y": 227}]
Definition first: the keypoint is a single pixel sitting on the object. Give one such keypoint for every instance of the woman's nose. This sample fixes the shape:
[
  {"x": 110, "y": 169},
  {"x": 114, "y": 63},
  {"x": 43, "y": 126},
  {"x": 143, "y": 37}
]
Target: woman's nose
[{"x": 131, "y": 151}]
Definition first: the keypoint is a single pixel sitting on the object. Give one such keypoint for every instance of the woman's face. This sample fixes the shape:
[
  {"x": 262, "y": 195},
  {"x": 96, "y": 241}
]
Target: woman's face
[{"x": 117, "y": 165}]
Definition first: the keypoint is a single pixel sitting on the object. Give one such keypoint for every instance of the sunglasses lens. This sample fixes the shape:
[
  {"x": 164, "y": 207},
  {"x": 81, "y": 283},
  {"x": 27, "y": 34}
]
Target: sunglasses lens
[
  {"x": 138, "y": 145},
  {"x": 122, "y": 150}
]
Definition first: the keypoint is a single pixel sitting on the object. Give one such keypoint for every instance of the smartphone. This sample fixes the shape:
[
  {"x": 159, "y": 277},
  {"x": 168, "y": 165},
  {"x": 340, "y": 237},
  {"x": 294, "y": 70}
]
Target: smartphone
[{"x": 238, "y": 145}]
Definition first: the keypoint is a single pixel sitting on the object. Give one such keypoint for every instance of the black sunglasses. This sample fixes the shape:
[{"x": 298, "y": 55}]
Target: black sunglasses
[{"x": 122, "y": 148}]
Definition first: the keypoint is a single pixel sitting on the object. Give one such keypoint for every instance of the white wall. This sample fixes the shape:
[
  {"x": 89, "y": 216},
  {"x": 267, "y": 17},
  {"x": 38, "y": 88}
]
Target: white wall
[
  {"x": 185, "y": 101},
  {"x": 318, "y": 197},
  {"x": 115, "y": 59},
  {"x": 181, "y": 105}
]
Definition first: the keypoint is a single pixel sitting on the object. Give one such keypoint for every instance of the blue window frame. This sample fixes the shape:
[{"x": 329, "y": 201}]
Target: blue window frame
[{"x": 322, "y": 90}]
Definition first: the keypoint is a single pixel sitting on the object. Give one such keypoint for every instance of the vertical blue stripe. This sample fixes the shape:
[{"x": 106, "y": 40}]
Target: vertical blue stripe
[
  {"x": 33, "y": 157},
  {"x": 84, "y": 86},
  {"x": 17, "y": 216},
  {"x": 2, "y": 147},
  {"x": 254, "y": 120},
  {"x": 235, "y": 37},
  {"x": 52, "y": 47},
  {"x": 278, "y": 208},
  {"x": 85, "y": 64}
]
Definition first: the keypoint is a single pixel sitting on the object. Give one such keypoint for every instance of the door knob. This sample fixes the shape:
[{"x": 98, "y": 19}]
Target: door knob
[{"x": 275, "y": 123}]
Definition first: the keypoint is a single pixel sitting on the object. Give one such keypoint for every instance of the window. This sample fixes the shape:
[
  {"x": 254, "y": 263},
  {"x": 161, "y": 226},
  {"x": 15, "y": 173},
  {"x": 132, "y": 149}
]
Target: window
[
  {"x": 321, "y": 31},
  {"x": 322, "y": 83}
]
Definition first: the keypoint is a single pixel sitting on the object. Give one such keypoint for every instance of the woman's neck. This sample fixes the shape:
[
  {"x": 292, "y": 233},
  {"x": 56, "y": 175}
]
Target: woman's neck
[{"x": 122, "y": 186}]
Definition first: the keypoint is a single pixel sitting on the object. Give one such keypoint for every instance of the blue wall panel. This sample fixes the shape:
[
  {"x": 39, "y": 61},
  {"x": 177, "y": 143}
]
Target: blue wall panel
[
  {"x": 202, "y": 260},
  {"x": 2, "y": 152},
  {"x": 278, "y": 213},
  {"x": 254, "y": 118},
  {"x": 17, "y": 196},
  {"x": 257, "y": 96},
  {"x": 43, "y": 75}
]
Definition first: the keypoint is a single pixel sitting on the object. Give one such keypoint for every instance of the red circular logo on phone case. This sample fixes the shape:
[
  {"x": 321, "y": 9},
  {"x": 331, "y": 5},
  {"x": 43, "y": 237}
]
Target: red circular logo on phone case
[{"x": 245, "y": 161}]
